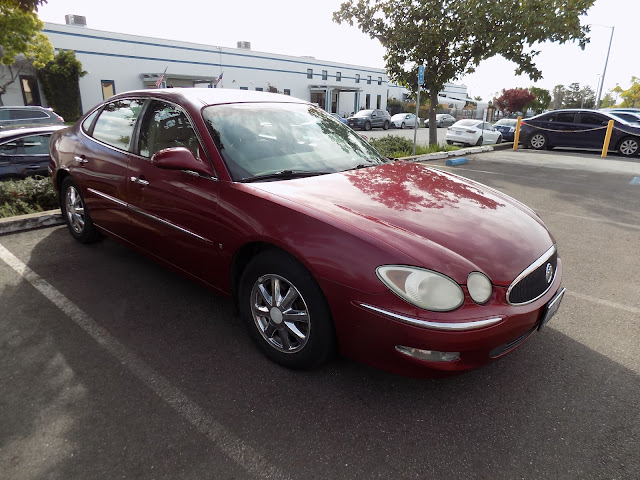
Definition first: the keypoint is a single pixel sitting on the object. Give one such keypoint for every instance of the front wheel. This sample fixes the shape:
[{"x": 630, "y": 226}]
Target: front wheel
[
  {"x": 76, "y": 214},
  {"x": 367, "y": 126},
  {"x": 538, "y": 141},
  {"x": 628, "y": 147},
  {"x": 285, "y": 311}
]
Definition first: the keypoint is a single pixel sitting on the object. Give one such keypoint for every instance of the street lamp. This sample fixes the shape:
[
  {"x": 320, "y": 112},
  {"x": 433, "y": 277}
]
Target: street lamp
[{"x": 605, "y": 67}]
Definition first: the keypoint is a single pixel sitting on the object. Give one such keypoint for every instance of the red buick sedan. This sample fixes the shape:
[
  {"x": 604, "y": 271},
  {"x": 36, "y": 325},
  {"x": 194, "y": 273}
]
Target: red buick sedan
[{"x": 323, "y": 243}]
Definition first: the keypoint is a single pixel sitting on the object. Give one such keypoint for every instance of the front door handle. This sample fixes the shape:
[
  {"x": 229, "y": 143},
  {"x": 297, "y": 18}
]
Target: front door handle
[
  {"x": 81, "y": 160},
  {"x": 139, "y": 181}
]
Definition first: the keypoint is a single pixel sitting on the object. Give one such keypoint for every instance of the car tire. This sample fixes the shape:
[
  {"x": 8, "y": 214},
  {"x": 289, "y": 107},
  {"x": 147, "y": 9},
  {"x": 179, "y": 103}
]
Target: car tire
[
  {"x": 538, "y": 141},
  {"x": 499, "y": 140},
  {"x": 480, "y": 141},
  {"x": 76, "y": 214},
  {"x": 385, "y": 125},
  {"x": 628, "y": 146},
  {"x": 403, "y": 125},
  {"x": 367, "y": 126},
  {"x": 304, "y": 343},
  {"x": 449, "y": 142}
]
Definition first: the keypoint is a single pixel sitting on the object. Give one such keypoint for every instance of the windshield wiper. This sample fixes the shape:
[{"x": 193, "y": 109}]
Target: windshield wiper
[{"x": 284, "y": 175}]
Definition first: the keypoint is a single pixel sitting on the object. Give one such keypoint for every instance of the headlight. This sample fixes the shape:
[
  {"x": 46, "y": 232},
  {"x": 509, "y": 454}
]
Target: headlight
[
  {"x": 479, "y": 287},
  {"x": 423, "y": 288}
]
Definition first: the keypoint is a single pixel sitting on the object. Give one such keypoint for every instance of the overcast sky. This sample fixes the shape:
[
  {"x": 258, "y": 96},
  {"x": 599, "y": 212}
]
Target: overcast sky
[{"x": 303, "y": 27}]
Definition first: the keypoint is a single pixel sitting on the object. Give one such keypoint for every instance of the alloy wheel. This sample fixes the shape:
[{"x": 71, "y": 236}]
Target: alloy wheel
[
  {"x": 629, "y": 147},
  {"x": 280, "y": 313},
  {"x": 538, "y": 140},
  {"x": 75, "y": 210}
]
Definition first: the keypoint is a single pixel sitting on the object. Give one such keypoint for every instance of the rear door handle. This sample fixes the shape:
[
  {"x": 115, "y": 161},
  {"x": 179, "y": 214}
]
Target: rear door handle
[
  {"x": 139, "y": 181},
  {"x": 81, "y": 160}
]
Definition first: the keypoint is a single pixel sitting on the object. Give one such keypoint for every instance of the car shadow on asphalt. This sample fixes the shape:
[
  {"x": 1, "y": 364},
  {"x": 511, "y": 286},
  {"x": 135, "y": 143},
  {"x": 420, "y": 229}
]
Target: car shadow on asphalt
[{"x": 554, "y": 408}]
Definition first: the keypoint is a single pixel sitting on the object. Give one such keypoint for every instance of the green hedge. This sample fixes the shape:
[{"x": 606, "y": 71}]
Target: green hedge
[
  {"x": 397, "y": 146},
  {"x": 31, "y": 195}
]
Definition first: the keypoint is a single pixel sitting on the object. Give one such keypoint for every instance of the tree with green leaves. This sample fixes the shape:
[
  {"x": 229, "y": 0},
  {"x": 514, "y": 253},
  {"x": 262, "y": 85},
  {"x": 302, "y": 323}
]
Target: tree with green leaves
[
  {"x": 23, "y": 46},
  {"x": 558, "y": 97},
  {"x": 542, "y": 101},
  {"x": 607, "y": 101},
  {"x": 59, "y": 80},
  {"x": 451, "y": 37},
  {"x": 630, "y": 96},
  {"x": 576, "y": 97}
]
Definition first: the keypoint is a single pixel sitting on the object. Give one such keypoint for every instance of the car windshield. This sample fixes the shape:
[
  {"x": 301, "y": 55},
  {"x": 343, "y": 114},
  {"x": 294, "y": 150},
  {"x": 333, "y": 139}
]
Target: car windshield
[
  {"x": 466, "y": 123},
  {"x": 262, "y": 139},
  {"x": 363, "y": 113},
  {"x": 507, "y": 122}
]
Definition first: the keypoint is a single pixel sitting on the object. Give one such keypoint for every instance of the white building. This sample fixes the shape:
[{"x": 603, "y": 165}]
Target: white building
[{"x": 118, "y": 62}]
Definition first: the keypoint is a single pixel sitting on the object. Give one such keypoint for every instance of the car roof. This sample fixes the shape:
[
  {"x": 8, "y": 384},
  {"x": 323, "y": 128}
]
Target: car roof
[
  {"x": 25, "y": 107},
  {"x": 18, "y": 132},
  {"x": 209, "y": 96}
]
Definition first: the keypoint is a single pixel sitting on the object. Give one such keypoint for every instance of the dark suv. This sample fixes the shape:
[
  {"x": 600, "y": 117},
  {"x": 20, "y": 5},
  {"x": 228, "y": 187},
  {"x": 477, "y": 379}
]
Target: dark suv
[
  {"x": 366, "y": 119},
  {"x": 28, "y": 116}
]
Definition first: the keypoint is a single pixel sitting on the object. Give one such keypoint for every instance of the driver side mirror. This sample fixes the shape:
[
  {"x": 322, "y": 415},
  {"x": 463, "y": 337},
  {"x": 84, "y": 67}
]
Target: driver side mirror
[{"x": 181, "y": 158}]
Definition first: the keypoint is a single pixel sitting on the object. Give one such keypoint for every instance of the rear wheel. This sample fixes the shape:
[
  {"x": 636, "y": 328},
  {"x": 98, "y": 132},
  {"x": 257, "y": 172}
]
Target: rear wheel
[
  {"x": 385, "y": 125},
  {"x": 628, "y": 146},
  {"x": 75, "y": 213},
  {"x": 403, "y": 125},
  {"x": 480, "y": 141},
  {"x": 285, "y": 311},
  {"x": 538, "y": 141}
]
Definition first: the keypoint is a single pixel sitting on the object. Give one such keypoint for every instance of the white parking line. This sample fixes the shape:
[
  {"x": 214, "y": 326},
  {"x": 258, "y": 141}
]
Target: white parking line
[{"x": 227, "y": 442}]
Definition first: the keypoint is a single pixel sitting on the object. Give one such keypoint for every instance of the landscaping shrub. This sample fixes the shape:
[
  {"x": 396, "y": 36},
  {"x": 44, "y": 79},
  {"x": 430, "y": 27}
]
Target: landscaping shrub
[
  {"x": 31, "y": 195},
  {"x": 396, "y": 146}
]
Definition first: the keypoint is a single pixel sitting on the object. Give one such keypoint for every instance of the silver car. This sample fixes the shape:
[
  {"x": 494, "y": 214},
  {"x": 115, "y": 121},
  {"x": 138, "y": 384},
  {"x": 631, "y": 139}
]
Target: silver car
[{"x": 11, "y": 117}]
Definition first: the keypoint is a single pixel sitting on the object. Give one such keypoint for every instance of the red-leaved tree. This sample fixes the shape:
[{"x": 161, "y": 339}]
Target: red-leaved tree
[{"x": 514, "y": 100}]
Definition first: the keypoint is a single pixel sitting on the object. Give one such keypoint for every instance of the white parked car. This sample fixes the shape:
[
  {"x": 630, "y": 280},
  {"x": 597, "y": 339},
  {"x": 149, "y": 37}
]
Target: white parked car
[
  {"x": 472, "y": 132},
  {"x": 402, "y": 120}
]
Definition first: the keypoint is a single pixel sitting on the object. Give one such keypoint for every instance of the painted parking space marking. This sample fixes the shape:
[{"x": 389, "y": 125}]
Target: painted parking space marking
[
  {"x": 605, "y": 303},
  {"x": 234, "y": 447}
]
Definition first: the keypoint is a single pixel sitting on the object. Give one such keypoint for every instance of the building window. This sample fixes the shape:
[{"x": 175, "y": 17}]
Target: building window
[
  {"x": 368, "y": 101},
  {"x": 357, "y": 78},
  {"x": 244, "y": 88},
  {"x": 287, "y": 91},
  {"x": 108, "y": 89},
  {"x": 379, "y": 80},
  {"x": 338, "y": 76},
  {"x": 379, "y": 102},
  {"x": 30, "y": 92},
  {"x": 369, "y": 80},
  {"x": 324, "y": 74},
  {"x": 309, "y": 72},
  {"x": 259, "y": 89}
]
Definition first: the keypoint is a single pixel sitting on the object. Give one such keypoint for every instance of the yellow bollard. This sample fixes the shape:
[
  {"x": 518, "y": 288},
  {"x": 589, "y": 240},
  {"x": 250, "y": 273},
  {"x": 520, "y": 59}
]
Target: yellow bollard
[
  {"x": 516, "y": 137},
  {"x": 607, "y": 139}
]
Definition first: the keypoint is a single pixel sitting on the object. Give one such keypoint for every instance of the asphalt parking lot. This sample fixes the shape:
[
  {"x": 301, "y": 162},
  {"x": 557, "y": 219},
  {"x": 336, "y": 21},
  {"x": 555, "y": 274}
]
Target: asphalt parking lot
[{"x": 113, "y": 367}]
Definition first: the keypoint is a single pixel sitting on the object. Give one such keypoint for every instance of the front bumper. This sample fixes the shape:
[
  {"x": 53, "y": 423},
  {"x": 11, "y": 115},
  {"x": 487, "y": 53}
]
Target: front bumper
[{"x": 480, "y": 333}]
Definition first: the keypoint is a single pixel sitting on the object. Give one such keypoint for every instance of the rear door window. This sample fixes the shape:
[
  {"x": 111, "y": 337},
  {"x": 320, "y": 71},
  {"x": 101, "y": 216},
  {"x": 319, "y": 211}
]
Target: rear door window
[
  {"x": 116, "y": 122},
  {"x": 593, "y": 119},
  {"x": 27, "y": 114}
]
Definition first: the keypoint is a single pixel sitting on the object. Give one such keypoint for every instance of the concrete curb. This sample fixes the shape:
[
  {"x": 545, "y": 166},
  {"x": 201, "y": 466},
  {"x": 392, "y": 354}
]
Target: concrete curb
[
  {"x": 31, "y": 221},
  {"x": 454, "y": 153}
]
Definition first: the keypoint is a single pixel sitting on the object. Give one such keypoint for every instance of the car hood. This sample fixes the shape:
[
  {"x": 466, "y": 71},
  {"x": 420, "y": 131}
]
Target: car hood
[{"x": 443, "y": 221}]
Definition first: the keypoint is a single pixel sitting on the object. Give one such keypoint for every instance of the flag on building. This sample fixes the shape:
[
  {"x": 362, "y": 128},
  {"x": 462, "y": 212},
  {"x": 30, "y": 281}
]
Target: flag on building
[
  {"x": 159, "y": 81},
  {"x": 219, "y": 79}
]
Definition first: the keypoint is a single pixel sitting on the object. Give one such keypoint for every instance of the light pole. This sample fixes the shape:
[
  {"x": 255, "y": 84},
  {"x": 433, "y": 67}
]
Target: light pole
[{"x": 605, "y": 68}]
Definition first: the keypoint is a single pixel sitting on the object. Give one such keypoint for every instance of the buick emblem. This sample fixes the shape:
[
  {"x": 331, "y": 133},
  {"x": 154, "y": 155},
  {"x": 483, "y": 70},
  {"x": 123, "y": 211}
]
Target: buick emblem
[{"x": 548, "y": 274}]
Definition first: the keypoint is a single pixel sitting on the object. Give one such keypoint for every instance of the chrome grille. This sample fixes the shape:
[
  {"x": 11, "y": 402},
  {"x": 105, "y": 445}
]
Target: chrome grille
[{"x": 533, "y": 282}]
